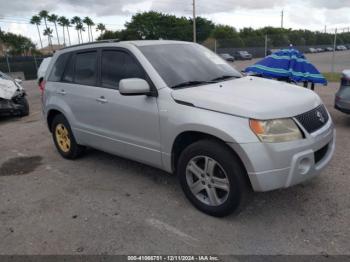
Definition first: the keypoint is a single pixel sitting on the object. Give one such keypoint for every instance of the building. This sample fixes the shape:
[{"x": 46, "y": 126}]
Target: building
[{"x": 49, "y": 50}]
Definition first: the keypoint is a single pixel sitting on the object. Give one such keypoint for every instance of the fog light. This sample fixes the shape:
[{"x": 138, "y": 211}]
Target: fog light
[{"x": 304, "y": 165}]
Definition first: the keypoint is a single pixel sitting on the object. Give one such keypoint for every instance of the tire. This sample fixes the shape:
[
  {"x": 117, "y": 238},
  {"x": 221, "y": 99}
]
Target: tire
[
  {"x": 228, "y": 178},
  {"x": 24, "y": 102},
  {"x": 64, "y": 139}
]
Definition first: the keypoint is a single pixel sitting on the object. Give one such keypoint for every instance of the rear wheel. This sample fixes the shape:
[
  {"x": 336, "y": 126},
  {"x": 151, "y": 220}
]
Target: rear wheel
[
  {"x": 64, "y": 139},
  {"x": 212, "y": 178}
]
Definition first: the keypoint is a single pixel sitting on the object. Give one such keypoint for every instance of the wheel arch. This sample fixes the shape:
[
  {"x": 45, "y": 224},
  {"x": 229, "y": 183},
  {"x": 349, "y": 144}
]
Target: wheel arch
[
  {"x": 186, "y": 138},
  {"x": 50, "y": 117}
]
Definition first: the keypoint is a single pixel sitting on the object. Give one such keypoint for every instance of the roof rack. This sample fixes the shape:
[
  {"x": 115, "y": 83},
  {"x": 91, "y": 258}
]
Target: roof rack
[{"x": 95, "y": 42}]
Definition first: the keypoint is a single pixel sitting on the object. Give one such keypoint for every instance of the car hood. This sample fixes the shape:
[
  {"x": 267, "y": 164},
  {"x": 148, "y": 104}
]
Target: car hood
[
  {"x": 8, "y": 89},
  {"x": 250, "y": 97}
]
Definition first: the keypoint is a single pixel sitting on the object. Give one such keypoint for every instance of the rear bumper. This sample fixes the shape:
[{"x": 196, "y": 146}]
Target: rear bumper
[{"x": 272, "y": 166}]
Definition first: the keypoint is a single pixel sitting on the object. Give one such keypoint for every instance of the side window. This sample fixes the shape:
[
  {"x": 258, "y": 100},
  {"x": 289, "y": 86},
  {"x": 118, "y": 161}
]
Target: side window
[
  {"x": 111, "y": 68},
  {"x": 117, "y": 65},
  {"x": 85, "y": 68},
  {"x": 58, "y": 68},
  {"x": 68, "y": 75}
]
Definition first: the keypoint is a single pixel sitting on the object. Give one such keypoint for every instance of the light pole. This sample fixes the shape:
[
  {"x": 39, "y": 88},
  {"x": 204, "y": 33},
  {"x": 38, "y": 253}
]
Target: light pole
[
  {"x": 334, "y": 47},
  {"x": 194, "y": 22},
  {"x": 7, "y": 60}
]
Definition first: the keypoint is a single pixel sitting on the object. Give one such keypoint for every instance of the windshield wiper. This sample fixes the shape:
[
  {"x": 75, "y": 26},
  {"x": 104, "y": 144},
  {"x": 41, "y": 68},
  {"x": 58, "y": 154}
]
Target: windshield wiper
[
  {"x": 224, "y": 77},
  {"x": 192, "y": 83}
]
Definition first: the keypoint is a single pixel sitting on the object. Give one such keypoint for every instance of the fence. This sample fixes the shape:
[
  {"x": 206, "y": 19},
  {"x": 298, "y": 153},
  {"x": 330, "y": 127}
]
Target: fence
[
  {"x": 260, "y": 46},
  {"x": 27, "y": 64}
]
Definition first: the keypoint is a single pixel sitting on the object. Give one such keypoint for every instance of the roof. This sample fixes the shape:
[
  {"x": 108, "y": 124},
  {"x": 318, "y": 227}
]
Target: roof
[{"x": 134, "y": 42}]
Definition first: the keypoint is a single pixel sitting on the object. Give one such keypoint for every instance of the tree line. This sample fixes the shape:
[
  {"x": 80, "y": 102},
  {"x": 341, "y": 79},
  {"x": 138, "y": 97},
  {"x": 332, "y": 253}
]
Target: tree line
[{"x": 156, "y": 25}]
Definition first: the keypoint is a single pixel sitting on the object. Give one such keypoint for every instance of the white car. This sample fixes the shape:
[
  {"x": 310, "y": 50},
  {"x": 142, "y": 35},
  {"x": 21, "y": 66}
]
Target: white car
[
  {"x": 12, "y": 96},
  {"x": 42, "y": 69}
]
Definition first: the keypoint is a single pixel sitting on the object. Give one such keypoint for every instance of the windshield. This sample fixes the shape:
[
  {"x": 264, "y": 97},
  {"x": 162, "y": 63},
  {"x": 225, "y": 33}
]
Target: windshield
[
  {"x": 187, "y": 63},
  {"x": 4, "y": 76}
]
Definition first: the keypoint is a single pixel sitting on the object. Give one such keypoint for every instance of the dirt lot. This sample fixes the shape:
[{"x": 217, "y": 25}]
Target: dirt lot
[{"x": 103, "y": 204}]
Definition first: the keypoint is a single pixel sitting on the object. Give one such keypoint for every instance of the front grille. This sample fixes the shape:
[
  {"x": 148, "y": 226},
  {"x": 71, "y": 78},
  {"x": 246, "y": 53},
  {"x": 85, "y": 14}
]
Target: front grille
[
  {"x": 319, "y": 154},
  {"x": 313, "y": 119}
]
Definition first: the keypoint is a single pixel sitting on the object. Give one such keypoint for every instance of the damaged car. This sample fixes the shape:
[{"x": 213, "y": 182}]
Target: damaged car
[{"x": 13, "y": 99}]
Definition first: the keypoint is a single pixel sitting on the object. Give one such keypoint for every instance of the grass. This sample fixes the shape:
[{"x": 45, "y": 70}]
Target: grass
[{"x": 332, "y": 77}]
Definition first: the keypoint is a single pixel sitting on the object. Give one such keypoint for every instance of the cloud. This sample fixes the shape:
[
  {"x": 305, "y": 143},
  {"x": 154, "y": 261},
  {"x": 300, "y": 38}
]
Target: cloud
[
  {"x": 329, "y": 4},
  {"x": 118, "y": 7},
  {"x": 127, "y": 7}
]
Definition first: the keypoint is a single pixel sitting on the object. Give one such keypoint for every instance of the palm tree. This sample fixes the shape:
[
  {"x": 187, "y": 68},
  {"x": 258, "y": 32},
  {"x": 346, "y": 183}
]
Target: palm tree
[
  {"x": 76, "y": 20},
  {"x": 80, "y": 29},
  {"x": 61, "y": 22},
  {"x": 36, "y": 20},
  {"x": 67, "y": 24},
  {"x": 101, "y": 27},
  {"x": 53, "y": 19},
  {"x": 44, "y": 15},
  {"x": 87, "y": 20},
  {"x": 48, "y": 32}
]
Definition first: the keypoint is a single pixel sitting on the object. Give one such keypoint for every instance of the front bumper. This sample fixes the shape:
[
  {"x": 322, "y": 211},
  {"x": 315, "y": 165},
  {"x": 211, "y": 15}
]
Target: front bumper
[
  {"x": 11, "y": 106},
  {"x": 280, "y": 165},
  {"x": 342, "y": 106}
]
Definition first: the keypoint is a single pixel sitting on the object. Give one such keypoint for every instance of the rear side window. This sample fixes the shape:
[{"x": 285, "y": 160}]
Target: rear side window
[
  {"x": 68, "y": 75},
  {"x": 117, "y": 65},
  {"x": 58, "y": 68},
  {"x": 85, "y": 68}
]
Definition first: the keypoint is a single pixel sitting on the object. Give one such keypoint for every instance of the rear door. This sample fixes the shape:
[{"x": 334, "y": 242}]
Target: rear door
[{"x": 79, "y": 90}]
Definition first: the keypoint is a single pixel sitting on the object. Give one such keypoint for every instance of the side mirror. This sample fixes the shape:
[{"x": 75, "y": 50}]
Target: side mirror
[
  {"x": 134, "y": 87},
  {"x": 18, "y": 81}
]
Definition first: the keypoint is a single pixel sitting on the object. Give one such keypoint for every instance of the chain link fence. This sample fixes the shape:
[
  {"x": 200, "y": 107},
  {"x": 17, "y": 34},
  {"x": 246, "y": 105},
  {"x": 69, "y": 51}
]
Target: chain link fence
[
  {"x": 27, "y": 64},
  {"x": 329, "y": 52}
]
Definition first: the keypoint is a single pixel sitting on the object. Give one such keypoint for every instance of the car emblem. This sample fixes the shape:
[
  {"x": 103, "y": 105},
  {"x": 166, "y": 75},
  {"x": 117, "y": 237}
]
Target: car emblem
[{"x": 320, "y": 116}]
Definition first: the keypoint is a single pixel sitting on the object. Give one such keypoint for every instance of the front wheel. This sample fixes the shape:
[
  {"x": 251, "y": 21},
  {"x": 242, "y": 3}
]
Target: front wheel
[{"x": 212, "y": 178}]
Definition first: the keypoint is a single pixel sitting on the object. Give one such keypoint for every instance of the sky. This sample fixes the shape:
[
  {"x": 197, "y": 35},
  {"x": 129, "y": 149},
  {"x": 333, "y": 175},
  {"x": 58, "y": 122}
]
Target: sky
[{"x": 304, "y": 14}]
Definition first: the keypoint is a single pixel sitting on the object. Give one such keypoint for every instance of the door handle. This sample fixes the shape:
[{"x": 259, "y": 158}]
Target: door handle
[
  {"x": 102, "y": 100},
  {"x": 61, "y": 92}
]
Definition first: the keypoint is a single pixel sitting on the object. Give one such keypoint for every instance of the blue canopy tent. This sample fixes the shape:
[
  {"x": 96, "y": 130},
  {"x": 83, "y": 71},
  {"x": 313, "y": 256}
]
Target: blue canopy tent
[{"x": 287, "y": 64}]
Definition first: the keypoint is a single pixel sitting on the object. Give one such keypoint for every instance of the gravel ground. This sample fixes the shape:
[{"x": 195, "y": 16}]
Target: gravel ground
[{"x": 103, "y": 204}]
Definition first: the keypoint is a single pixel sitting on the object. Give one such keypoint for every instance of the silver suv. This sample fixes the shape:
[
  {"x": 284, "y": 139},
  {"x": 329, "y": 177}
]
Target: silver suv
[{"x": 179, "y": 107}]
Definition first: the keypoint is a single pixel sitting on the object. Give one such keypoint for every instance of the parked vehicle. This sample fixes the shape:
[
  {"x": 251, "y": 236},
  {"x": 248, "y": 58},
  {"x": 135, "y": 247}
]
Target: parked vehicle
[
  {"x": 329, "y": 48},
  {"x": 227, "y": 57},
  {"x": 243, "y": 55},
  {"x": 13, "y": 99},
  {"x": 179, "y": 107},
  {"x": 342, "y": 97},
  {"x": 320, "y": 50},
  {"x": 312, "y": 50},
  {"x": 341, "y": 48},
  {"x": 42, "y": 70}
]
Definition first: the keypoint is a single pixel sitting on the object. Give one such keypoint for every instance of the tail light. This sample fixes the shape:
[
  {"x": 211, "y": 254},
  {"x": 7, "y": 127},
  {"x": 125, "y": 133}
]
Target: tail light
[{"x": 42, "y": 86}]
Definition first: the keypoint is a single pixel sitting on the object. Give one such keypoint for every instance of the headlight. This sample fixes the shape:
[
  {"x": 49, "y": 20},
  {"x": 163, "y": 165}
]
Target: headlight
[{"x": 276, "y": 130}]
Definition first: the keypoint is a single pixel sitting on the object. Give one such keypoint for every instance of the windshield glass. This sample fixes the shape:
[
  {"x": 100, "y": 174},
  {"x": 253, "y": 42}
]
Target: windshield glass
[
  {"x": 187, "y": 63},
  {"x": 4, "y": 76}
]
